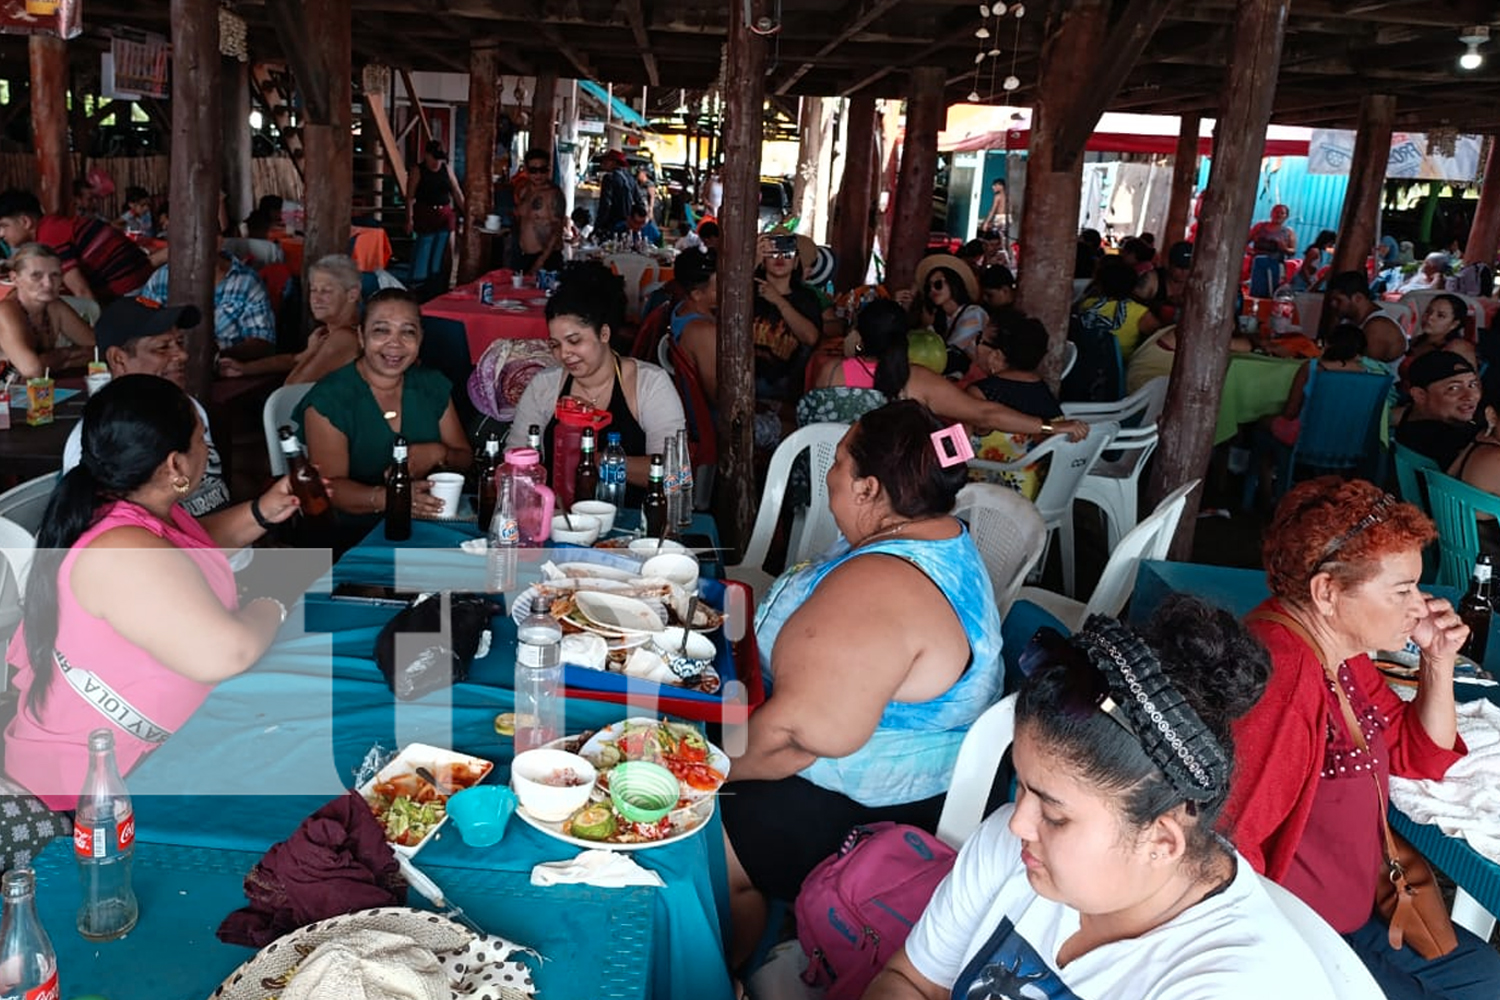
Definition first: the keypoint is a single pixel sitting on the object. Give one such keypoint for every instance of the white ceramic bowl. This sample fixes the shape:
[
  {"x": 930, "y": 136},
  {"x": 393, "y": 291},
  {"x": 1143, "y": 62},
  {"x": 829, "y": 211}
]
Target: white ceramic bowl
[
  {"x": 585, "y": 530},
  {"x": 605, "y": 512},
  {"x": 647, "y": 547},
  {"x": 669, "y": 643},
  {"x": 551, "y": 803},
  {"x": 679, "y": 567}
]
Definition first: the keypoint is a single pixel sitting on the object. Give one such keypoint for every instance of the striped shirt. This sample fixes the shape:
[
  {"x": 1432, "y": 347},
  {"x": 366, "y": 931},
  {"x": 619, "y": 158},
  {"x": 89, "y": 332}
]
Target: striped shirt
[{"x": 112, "y": 265}]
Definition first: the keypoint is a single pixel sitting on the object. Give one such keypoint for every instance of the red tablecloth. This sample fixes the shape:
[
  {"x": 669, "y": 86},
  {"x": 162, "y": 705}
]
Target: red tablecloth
[{"x": 483, "y": 325}]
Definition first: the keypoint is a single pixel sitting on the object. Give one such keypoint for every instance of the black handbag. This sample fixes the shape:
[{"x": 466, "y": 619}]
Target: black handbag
[{"x": 430, "y": 643}]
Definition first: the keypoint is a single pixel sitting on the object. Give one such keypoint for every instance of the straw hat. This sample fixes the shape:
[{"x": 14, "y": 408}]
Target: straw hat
[
  {"x": 965, "y": 273},
  {"x": 392, "y": 952}
]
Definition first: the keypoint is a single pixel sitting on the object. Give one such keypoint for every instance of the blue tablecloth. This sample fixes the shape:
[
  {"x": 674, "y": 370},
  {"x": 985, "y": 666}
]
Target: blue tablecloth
[{"x": 273, "y": 744}]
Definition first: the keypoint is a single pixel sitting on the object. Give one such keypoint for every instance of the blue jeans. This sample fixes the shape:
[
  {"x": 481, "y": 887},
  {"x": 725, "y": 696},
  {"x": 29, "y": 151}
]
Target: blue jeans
[
  {"x": 1469, "y": 972},
  {"x": 1266, "y": 274}
]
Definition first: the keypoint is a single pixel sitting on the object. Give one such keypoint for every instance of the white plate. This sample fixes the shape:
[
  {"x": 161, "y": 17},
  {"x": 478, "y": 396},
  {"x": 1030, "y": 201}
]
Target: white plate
[
  {"x": 411, "y": 757},
  {"x": 618, "y": 613},
  {"x": 589, "y": 570},
  {"x": 691, "y": 818}
]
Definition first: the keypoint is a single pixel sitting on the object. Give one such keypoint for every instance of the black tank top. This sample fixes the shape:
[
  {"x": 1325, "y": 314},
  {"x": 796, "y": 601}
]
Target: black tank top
[
  {"x": 632, "y": 434},
  {"x": 432, "y": 186}
]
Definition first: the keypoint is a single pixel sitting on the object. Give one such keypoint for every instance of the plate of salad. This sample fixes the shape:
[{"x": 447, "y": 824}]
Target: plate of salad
[
  {"x": 410, "y": 809},
  {"x": 700, "y": 768}
]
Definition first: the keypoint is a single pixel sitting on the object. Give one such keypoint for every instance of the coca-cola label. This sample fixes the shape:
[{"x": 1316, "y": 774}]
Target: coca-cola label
[
  {"x": 89, "y": 842},
  {"x": 46, "y": 991}
]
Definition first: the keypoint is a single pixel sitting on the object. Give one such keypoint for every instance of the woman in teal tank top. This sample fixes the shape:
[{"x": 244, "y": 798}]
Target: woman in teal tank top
[{"x": 877, "y": 658}]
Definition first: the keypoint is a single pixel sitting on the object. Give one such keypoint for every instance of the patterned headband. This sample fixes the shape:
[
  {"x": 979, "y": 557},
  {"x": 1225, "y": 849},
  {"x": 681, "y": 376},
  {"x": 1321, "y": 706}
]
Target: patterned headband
[{"x": 1168, "y": 729}]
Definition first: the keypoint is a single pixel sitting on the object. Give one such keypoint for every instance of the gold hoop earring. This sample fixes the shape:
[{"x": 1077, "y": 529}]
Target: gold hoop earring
[{"x": 181, "y": 485}]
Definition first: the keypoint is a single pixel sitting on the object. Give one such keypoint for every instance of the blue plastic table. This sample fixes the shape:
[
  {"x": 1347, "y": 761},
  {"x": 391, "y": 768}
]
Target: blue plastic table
[
  {"x": 270, "y": 746},
  {"x": 1239, "y": 591}
]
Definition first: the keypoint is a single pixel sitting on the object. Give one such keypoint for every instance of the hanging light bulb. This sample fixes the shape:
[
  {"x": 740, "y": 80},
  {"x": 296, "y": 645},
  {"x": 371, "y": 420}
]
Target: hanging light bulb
[
  {"x": 982, "y": 33},
  {"x": 978, "y": 58},
  {"x": 1011, "y": 83},
  {"x": 1019, "y": 10},
  {"x": 984, "y": 10},
  {"x": 998, "y": 10},
  {"x": 993, "y": 53},
  {"x": 1473, "y": 38},
  {"x": 973, "y": 97}
]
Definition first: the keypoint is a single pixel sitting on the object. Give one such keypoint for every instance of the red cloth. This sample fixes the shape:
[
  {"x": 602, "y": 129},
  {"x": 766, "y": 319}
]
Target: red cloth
[
  {"x": 336, "y": 862},
  {"x": 111, "y": 264},
  {"x": 1281, "y": 745}
]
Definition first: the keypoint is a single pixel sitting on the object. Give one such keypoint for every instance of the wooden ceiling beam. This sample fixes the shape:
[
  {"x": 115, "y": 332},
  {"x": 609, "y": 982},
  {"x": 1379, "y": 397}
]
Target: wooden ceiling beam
[
  {"x": 856, "y": 18},
  {"x": 578, "y": 59},
  {"x": 637, "y": 22},
  {"x": 287, "y": 21}
]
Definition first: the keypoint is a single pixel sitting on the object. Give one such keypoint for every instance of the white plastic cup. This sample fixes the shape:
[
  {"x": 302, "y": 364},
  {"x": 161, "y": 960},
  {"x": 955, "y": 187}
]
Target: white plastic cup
[
  {"x": 492, "y": 222},
  {"x": 518, "y": 280},
  {"x": 97, "y": 381},
  {"x": 447, "y": 487}
]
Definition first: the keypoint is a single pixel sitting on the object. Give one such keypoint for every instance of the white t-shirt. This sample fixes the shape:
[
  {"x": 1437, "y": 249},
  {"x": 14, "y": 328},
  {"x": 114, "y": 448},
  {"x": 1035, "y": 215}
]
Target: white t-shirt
[
  {"x": 211, "y": 494},
  {"x": 987, "y": 935}
]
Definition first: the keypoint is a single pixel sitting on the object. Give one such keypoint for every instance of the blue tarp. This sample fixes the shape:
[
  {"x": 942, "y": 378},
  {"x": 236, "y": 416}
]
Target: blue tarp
[{"x": 618, "y": 108}]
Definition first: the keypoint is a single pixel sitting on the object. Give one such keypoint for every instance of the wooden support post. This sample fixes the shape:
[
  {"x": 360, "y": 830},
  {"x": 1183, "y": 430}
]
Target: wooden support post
[
  {"x": 1360, "y": 220},
  {"x": 885, "y": 178},
  {"x": 239, "y": 192},
  {"x": 1049, "y": 212},
  {"x": 329, "y": 144},
  {"x": 738, "y": 222},
  {"x": 1192, "y": 410},
  {"x": 49, "y": 122},
  {"x": 197, "y": 171},
  {"x": 810, "y": 137},
  {"x": 1184, "y": 175},
  {"x": 479, "y": 156},
  {"x": 912, "y": 219},
  {"x": 1484, "y": 233},
  {"x": 544, "y": 111},
  {"x": 856, "y": 195}
]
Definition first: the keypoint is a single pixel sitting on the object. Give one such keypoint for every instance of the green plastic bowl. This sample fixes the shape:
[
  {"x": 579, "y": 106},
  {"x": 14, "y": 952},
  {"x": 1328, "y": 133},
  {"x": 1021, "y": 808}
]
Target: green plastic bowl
[{"x": 643, "y": 792}]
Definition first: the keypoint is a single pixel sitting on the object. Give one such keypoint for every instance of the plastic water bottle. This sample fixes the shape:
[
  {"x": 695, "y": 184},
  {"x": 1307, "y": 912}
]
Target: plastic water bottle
[
  {"x": 28, "y": 965},
  {"x": 612, "y": 472},
  {"x": 684, "y": 483},
  {"x": 539, "y": 696},
  {"x": 104, "y": 841}
]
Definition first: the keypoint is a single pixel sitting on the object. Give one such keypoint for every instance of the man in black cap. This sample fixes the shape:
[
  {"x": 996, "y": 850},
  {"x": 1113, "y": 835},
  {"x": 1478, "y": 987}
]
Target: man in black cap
[
  {"x": 1444, "y": 419},
  {"x": 138, "y": 337}
]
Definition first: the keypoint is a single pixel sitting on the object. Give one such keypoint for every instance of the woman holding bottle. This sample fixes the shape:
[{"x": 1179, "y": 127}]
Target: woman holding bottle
[
  {"x": 587, "y": 307},
  {"x": 352, "y": 416}
]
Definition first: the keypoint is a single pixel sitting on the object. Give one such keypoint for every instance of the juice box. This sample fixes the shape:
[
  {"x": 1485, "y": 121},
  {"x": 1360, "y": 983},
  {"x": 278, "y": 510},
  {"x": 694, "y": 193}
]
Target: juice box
[
  {"x": 4, "y": 406},
  {"x": 39, "y": 401}
]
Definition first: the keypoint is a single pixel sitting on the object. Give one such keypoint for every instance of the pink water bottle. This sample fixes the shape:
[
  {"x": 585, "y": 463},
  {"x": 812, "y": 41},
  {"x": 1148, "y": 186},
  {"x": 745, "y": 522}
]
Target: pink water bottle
[{"x": 533, "y": 498}]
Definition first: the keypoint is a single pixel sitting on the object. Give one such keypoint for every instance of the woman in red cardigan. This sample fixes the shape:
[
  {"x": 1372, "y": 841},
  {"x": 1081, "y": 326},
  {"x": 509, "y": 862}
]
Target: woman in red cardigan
[{"x": 1343, "y": 560}]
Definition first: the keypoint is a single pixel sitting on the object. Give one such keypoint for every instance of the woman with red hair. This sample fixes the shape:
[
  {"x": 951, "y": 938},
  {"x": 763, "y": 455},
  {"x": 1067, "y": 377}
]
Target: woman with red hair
[{"x": 1342, "y": 560}]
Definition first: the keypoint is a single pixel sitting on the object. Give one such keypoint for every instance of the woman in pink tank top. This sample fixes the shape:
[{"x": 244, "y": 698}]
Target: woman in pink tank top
[{"x": 131, "y": 613}]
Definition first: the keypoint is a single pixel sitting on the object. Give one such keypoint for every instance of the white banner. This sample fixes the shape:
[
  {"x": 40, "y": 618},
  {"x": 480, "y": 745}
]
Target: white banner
[{"x": 1330, "y": 151}]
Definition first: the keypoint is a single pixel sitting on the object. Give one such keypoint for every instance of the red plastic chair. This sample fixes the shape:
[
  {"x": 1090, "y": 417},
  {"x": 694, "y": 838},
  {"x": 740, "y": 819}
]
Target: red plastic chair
[
  {"x": 653, "y": 326},
  {"x": 276, "y": 278},
  {"x": 703, "y": 439}
]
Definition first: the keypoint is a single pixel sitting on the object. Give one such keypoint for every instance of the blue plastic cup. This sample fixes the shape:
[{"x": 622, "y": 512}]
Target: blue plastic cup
[{"x": 481, "y": 813}]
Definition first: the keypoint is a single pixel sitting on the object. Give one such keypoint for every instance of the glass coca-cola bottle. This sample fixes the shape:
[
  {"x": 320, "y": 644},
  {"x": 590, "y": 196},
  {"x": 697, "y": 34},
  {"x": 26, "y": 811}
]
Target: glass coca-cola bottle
[
  {"x": 104, "y": 842},
  {"x": 28, "y": 965}
]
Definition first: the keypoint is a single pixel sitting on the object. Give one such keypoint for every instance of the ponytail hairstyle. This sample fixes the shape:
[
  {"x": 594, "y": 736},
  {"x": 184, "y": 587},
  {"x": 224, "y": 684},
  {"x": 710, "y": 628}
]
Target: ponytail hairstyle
[
  {"x": 882, "y": 327},
  {"x": 130, "y": 427}
]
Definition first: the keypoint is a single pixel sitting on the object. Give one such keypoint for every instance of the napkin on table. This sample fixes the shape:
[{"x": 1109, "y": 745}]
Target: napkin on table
[{"x": 609, "y": 869}]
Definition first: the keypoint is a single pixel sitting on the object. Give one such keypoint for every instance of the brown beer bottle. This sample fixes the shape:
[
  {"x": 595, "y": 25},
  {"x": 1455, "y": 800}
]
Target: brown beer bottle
[
  {"x": 307, "y": 484},
  {"x": 586, "y": 475},
  {"x": 398, "y": 495},
  {"x": 654, "y": 506}
]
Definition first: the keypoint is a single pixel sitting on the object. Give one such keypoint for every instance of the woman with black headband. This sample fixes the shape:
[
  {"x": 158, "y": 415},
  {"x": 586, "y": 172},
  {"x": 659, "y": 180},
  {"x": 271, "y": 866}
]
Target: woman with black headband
[
  {"x": 1106, "y": 878},
  {"x": 1343, "y": 560}
]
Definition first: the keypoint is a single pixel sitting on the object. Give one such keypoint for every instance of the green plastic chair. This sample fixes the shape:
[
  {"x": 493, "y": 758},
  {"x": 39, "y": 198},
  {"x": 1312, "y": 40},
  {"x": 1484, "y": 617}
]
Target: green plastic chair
[
  {"x": 1410, "y": 465},
  {"x": 1409, "y": 468},
  {"x": 1454, "y": 506}
]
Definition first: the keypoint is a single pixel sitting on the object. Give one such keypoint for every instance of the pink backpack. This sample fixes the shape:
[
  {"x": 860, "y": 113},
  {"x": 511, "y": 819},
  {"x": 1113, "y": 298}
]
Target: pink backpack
[{"x": 857, "y": 907}]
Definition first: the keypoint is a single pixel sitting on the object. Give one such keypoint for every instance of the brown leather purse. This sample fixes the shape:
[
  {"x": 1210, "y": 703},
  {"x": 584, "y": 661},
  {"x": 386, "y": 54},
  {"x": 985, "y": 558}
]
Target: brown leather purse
[{"x": 1408, "y": 896}]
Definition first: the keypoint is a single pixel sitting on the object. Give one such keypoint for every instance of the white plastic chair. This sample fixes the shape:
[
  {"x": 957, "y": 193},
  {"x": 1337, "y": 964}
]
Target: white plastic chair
[
  {"x": 816, "y": 530},
  {"x": 638, "y": 270},
  {"x": 1070, "y": 462},
  {"x": 1008, "y": 532},
  {"x": 1148, "y": 540},
  {"x": 17, "y": 546},
  {"x": 1342, "y": 967},
  {"x": 1069, "y": 359},
  {"x": 278, "y": 413},
  {"x": 1113, "y": 484},
  {"x": 25, "y": 504},
  {"x": 664, "y": 354},
  {"x": 979, "y": 758}
]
